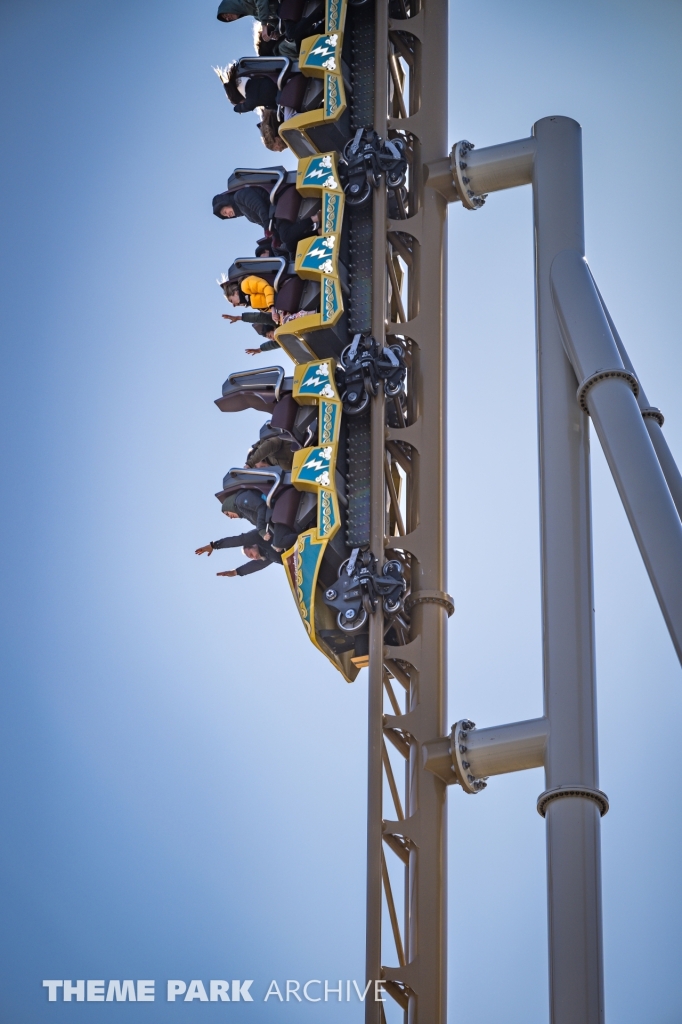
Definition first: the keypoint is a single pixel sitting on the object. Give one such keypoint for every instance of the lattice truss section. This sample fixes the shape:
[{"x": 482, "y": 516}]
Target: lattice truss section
[{"x": 399, "y": 749}]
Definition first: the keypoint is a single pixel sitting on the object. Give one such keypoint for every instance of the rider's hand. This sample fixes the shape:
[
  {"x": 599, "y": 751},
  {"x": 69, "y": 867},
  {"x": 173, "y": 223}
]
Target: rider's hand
[
  {"x": 206, "y": 550},
  {"x": 252, "y": 351},
  {"x": 229, "y": 572},
  {"x": 232, "y": 319}
]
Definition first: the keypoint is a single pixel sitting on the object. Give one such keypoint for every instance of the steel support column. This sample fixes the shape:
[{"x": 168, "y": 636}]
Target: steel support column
[
  {"x": 607, "y": 393},
  {"x": 573, "y": 822},
  {"x": 582, "y": 366},
  {"x": 429, "y": 560},
  {"x": 415, "y": 833},
  {"x": 373, "y": 1008},
  {"x": 653, "y": 419}
]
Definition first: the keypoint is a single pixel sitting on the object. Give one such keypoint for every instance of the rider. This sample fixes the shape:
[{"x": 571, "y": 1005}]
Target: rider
[{"x": 260, "y": 552}]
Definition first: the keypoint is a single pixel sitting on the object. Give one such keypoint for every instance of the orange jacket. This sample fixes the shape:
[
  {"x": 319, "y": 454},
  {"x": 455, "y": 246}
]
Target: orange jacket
[{"x": 260, "y": 293}]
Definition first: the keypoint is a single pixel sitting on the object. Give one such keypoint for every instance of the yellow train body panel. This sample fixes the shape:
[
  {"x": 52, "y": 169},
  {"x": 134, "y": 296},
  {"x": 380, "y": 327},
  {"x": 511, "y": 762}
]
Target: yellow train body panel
[
  {"x": 314, "y": 470},
  {"x": 320, "y": 57},
  {"x": 317, "y": 257}
]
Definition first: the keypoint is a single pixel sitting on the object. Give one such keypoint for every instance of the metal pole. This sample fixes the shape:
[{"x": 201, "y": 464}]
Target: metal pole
[
  {"x": 427, "y": 967},
  {"x": 377, "y": 531},
  {"x": 573, "y": 822},
  {"x": 607, "y": 392},
  {"x": 653, "y": 420},
  {"x": 423, "y": 977},
  {"x": 499, "y": 749}
]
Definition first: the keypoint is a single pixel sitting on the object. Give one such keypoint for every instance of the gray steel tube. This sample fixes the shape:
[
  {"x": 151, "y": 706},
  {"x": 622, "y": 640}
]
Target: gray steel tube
[
  {"x": 497, "y": 167},
  {"x": 618, "y": 422},
  {"x": 671, "y": 472},
  {"x": 489, "y": 169},
  {"x": 507, "y": 748},
  {"x": 672, "y": 475},
  {"x": 573, "y": 823}
]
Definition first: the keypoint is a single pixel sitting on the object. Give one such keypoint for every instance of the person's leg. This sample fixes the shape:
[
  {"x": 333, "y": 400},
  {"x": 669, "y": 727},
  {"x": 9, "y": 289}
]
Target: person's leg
[
  {"x": 290, "y": 233},
  {"x": 282, "y": 536},
  {"x": 296, "y": 31}
]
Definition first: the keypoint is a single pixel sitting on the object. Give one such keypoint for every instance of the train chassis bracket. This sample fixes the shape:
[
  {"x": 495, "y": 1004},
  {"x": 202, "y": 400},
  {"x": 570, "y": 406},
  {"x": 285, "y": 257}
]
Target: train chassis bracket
[
  {"x": 364, "y": 366},
  {"x": 369, "y": 158},
  {"x": 360, "y": 586}
]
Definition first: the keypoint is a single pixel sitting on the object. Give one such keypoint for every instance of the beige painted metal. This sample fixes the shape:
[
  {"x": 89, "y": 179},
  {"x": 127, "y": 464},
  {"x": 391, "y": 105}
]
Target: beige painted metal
[
  {"x": 414, "y": 970},
  {"x": 375, "y": 853},
  {"x": 493, "y": 751}
]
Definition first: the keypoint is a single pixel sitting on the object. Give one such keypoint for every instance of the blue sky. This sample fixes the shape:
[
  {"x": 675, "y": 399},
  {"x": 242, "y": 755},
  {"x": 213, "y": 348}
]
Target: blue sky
[{"x": 183, "y": 775}]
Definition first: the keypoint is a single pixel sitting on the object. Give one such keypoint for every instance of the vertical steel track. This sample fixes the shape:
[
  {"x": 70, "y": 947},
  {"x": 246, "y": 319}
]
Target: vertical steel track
[
  {"x": 377, "y": 532},
  {"x": 406, "y": 881}
]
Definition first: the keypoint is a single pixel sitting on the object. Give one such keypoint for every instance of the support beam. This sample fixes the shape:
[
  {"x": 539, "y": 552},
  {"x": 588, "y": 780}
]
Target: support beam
[
  {"x": 653, "y": 420},
  {"x": 573, "y": 823},
  {"x": 420, "y": 664},
  {"x": 608, "y": 392},
  {"x": 496, "y": 750},
  {"x": 426, "y": 892},
  {"x": 375, "y": 746},
  {"x": 481, "y": 171}
]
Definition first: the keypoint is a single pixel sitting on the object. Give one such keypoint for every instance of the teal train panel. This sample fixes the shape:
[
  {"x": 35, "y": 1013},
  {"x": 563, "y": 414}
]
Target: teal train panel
[
  {"x": 324, "y": 54},
  {"x": 330, "y": 422},
  {"x": 327, "y": 518},
  {"x": 331, "y": 299},
  {"x": 316, "y": 468}
]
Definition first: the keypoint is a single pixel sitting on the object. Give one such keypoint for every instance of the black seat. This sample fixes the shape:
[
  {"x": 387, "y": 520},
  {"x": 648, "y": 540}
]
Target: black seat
[
  {"x": 293, "y": 93},
  {"x": 278, "y": 68},
  {"x": 284, "y": 414},
  {"x": 268, "y": 481},
  {"x": 272, "y": 268},
  {"x": 269, "y": 178},
  {"x": 288, "y": 298},
  {"x": 254, "y": 389}
]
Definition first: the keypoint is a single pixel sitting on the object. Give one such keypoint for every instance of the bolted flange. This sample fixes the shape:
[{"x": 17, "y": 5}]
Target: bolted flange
[
  {"x": 458, "y": 752},
  {"x": 458, "y": 164}
]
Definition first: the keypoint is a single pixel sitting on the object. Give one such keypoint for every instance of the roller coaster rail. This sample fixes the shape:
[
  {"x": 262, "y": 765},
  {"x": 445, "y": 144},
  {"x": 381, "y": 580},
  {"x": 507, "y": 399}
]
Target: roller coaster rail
[{"x": 368, "y": 568}]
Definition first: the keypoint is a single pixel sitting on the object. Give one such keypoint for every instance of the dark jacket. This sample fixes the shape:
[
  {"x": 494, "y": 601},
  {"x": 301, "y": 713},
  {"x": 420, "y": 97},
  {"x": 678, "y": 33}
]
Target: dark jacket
[
  {"x": 250, "y": 505},
  {"x": 260, "y": 92},
  {"x": 251, "y": 202},
  {"x": 252, "y": 539},
  {"x": 260, "y": 320}
]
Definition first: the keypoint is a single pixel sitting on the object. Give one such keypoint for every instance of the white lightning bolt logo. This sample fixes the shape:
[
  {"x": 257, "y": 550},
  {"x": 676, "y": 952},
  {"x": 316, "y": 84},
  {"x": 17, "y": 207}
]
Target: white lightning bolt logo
[{"x": 315, "y": 379}]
